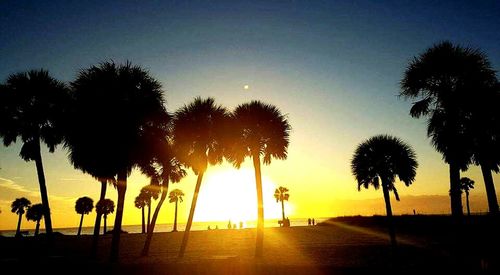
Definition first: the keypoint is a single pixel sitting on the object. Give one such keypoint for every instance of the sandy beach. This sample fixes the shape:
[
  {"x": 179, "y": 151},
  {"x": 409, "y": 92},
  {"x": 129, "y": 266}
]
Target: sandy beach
[{"x": 343, "y": 246}]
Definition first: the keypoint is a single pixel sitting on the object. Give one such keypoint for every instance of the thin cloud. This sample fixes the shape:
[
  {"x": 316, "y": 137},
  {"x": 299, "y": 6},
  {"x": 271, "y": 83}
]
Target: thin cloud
[{"x": 11, "y": 185}]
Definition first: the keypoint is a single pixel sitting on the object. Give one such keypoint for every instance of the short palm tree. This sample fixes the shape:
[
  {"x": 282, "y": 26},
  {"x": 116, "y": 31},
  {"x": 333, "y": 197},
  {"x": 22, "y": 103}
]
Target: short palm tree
[
  {"x": 105, "y": 207},
  {"x": 140, "y": 203},
  {"x": 19, "y": 206},
  {"x": 259, "y": 129},
  {"x": 83, "y": 206},
  {"x": 35, "y": 213},
  {"x": 281, "y": 195},
  {"x": 448, "y": 82},
  {"x": 466, "y": 185},
  {"x": 175, "y": 196},
  {"x": 377, "y": 161},
  {"x": 123, "y": 100},
  {"x": 150, "y": 192},
  {"x": 199, "y": 131},
  {"x": 33, "y": 105}
]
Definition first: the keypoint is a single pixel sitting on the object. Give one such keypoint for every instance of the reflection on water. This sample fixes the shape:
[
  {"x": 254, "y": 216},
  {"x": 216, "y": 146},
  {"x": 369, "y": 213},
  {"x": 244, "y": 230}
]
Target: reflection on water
[{"x": 168, "y": 227}]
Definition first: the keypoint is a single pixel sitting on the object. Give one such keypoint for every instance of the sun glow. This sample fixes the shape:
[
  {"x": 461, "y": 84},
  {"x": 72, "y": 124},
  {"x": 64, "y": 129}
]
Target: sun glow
[{"x": 230, "y": 195}]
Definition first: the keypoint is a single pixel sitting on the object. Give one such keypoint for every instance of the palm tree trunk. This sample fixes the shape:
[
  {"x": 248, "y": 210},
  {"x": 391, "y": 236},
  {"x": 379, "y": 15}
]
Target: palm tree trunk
[
  {"x": 467, "y": 201},
  {"x": 98, "y": 218},
  {"x": 143, "y": 221},
  {"x": 115, "y": 242},
  {"x": 283, "y": 210},
  {"x": 175, "y": 216},
  {"x": 80, "y": 227},
  {"x": 43, "y": 191},
  {"x": 185, "y": 238},
  {"x": 259, "y": 244},
  {"x": 490, "y": 189},
  {"x": 37, "y": 228},
  {"x": 18, "y": 231},
  {"x": 105, "y": 223},
  {"x": 149, "y": 215},
  {"x": 388, "y": 209},
  {"x": 149, "y": 237},
  {"x": 455, "y": 194}
]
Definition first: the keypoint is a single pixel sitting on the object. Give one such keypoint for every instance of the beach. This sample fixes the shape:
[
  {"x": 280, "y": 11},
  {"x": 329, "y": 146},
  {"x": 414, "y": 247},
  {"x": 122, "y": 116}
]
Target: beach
[{"x": 340, "y": 246}]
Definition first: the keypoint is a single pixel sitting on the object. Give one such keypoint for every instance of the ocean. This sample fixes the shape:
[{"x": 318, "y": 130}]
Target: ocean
[{"x": 197, "y": 226}]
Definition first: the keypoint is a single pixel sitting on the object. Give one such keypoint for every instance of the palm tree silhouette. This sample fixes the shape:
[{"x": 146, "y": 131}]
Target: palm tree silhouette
[
  {"x": 281, "y": 195},
  {"x": 175, "y": 196},
  {"x": 448, "y": 81},
  {"x": 466, "y": 185},
  {"x": 140, "y": 203},
  {"x": 377, "y": 161},
  {"x": 123, "y": 100},
  {"x": 105, "y": 207},
  {"x": 165, "y": 169},
  {"x": 32, "y": 106},
  {"x": 83, "y": 206},
  {"x": 149, "y": 192},
  {"x": 259, "y": 129},
  {"x": 19, "y": 206},
  {"x": 199, "y": 131},
  {"x": 35, "y": 213}
]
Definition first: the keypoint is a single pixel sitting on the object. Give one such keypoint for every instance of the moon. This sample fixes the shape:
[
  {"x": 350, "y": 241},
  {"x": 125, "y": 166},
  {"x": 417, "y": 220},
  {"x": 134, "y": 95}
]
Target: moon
[{"x": 246, "y": 87}]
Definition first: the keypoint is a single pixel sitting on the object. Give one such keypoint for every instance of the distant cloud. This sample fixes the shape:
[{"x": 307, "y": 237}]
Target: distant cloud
[{"x": 11, "y": 185}]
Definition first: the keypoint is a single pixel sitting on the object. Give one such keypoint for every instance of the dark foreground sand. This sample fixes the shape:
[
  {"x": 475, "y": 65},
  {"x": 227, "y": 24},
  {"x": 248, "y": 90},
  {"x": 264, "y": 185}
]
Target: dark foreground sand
[{"x": 354, "y": 245}]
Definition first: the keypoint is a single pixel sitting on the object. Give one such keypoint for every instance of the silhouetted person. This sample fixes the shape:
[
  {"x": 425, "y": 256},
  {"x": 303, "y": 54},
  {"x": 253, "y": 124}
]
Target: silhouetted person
[
  {"x": 414, "y": 212},
  {"x": 313, "y": 222},
  {"x": 309, "y": 221},
  {"x": 241, "y": 225},
  {"x": 209, "y": 228},
  {"x": 229, "y": 225},
  {"x": 216, "y": 227}
]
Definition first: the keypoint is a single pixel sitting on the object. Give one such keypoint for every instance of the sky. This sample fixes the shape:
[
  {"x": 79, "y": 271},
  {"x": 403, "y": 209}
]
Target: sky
[{"x": 333, "y": 67}]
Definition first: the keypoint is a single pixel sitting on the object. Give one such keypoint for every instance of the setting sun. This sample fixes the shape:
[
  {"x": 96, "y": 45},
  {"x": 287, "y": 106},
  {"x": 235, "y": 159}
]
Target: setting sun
[{"x": 230, "y": 195}]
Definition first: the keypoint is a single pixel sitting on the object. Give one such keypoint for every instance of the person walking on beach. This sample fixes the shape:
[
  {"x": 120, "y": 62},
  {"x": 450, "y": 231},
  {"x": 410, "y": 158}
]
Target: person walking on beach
[
  {"x": 309, "y": 221},
  {"x": 313, "y": 221}
]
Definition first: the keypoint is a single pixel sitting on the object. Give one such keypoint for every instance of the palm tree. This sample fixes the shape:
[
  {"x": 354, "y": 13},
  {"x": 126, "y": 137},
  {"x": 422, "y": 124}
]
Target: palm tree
[
  {"x": 175, "y": 196},
  {"x": 448, "y": 81},
  {"x": 281, "y": 195},
  {"x": 165, "y": 169},
  {"x": 19, "y": 206},
  {"x": 149, "y": 192},
  {"x": 33, "y": 105},
  {"x": 35, "y": 213},
  {"x": 105, "y": 207},
  {"x": 140, "y": 203},
  {"x": 83, "y": 206},
  {"x": 123, "y": 100},
  {"x": 466, "y": 185},
  {"x": 377, "y": 161},
  {"x": 199, "y": 131},
  {"x": 259, "y": 129}
]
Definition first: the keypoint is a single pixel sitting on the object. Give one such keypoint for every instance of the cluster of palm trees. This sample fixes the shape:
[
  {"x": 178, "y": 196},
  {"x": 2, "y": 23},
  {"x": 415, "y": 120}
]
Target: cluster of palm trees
[
  {"x": 459, "y": 93},
  {"x": 112, "y": 119},
  {"x": 33, "y": 213}
]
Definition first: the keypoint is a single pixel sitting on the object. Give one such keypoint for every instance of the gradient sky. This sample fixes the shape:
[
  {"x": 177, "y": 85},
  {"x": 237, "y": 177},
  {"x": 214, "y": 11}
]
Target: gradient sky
[{"x": 332, "y": 66}]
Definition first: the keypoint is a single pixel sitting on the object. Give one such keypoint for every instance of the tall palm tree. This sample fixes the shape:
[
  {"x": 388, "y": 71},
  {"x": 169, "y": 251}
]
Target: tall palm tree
[
  {"x": 466, "y": 185},
  {"x": 199, "y": 131},
  {"x": 140, "y": 203},
  {"x": 150, "y": 192},
  {"x": 447, "y": 81},
  {"x": 83, "y": 206},
  {"x": 35, "y": 213},
  {"x": 259, "y": 130},
  {"x": 33, "y": 104},
  {"x": 19, "y": 206},
  {"x": 123, "y": 100},
  {"x": 175, "y": 196},
  {"x": 377, "y": 161},
  {"x": 281, "y": 195},
  {"x": 105, "y": 207}
]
